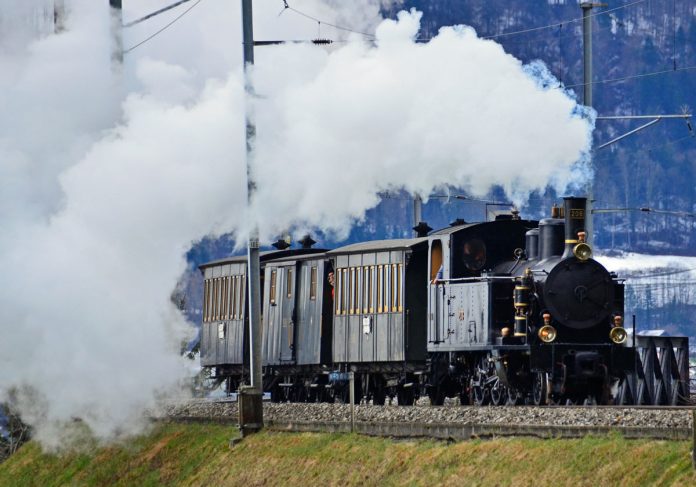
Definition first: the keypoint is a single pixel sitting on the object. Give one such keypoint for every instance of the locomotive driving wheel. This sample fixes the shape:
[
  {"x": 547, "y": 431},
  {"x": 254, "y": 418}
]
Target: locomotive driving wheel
[
  {"x": 514, "y": 397},
  {"x": 499, "y": 393},
  {"x": 539, "y": 388}
]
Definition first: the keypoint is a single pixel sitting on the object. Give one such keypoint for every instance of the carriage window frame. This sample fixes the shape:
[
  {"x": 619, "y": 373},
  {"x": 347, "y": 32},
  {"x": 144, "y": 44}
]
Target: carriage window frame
[
  {"x": 380, "y": 288},
  {"x": 273, "y": 285},
  {"x": 400, "y": 302},
  {"x": 353, "y": 291},
  {"x": 313, "y": 274},
  {"x": 387, "y": 289},
  {"x": 288, "y": 282},
  {"x": 223, "y": 291},
  {"x": 233, "y": 296},
  {"x": 365, "y": 289},
  {"x": 346, "y": 289},
  {"x": 206, "y": 295},
  {"x": 338, "y": 288},
  {"x": 216, "y": 298},
  {"x": 371, "y": 292},
  {"x": 228, "y": 299},
  {"x": 394, "y": 287},
  {"x": 242, "y": 289}
]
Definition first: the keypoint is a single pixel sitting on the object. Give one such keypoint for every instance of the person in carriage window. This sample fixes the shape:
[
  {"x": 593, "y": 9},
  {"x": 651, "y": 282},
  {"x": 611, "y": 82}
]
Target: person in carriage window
[{"x": 474, "y": 254}]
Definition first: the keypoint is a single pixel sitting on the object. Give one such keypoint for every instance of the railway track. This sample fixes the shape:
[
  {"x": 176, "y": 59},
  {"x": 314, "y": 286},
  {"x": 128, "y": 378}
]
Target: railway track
[
  {"x": 454, "y": 421},
  {"x": 689, "y": 407}
]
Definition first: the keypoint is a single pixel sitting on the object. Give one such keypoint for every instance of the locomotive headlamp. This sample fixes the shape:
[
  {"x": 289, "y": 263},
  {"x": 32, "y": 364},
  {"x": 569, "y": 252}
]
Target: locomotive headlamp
[
  {"x": 618, "y": 335},
  {"x": 547, "y": 333},
  {"x": 582, "y": 250}
]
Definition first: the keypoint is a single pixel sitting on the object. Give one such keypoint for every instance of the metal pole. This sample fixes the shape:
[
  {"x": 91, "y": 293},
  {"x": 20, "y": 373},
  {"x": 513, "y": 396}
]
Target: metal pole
[
  {"x": 587, "y": 52},
  {"x": 253, "y": 253},
  {"x": 635, "y": 364},
  {"x": 351, "y": 389},
  {"x": 116, "y": 31},
  {"x": 693, "y": 438},
  {"x": 587, "y": 100}
]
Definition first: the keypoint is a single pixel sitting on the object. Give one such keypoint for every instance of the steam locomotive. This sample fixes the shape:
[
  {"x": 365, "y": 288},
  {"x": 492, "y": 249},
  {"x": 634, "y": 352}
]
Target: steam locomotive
[{"x": 508, "y": 311}]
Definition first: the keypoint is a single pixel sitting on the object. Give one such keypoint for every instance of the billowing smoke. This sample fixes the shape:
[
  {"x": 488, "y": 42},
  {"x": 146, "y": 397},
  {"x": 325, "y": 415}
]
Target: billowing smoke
[
  {"x": 455, "y": 111},
  {"x": 98, "y": 206}
]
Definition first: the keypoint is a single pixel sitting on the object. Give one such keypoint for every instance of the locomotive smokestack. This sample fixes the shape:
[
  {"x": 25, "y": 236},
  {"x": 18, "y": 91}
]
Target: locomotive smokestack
[{"x": 574, "y": 209}]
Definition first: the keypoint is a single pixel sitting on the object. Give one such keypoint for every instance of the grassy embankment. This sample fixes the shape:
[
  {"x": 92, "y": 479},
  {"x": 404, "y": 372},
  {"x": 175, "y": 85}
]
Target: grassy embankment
[{"x": 196, "y": 454}]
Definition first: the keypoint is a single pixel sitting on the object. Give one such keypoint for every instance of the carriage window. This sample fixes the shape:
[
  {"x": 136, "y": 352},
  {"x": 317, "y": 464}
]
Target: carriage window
[
  {"x": 474, "y": 254},
  {"x": 435, "y": 259},
  {"x": 313, "y": 283},
  {"x": 288, "y": 284},
  {"x": 206, "y": 295},
  {"x": 274, "y": 276}
]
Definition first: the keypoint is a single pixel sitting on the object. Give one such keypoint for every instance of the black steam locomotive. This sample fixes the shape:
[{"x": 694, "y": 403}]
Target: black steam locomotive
[{"x": 509, "y": 311}]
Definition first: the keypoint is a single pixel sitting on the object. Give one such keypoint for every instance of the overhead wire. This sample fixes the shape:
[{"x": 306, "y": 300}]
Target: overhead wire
[
  {"x": 635, "y": 76},
  {"x": 126, "y": 51},
  {"x": 320, "y": 22},
  {"x": 155, "y": 13}
]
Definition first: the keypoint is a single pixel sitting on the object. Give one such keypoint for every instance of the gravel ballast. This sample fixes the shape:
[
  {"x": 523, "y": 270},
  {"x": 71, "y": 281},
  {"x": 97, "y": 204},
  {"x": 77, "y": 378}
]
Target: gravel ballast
[{"x": 520, "y": 415}]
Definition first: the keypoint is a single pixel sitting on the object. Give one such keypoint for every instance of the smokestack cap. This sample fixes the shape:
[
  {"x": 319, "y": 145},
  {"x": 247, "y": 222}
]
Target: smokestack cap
[
  {"x": 422, "y": 229},
  {"x": 280, "y": 244},
  {"x": 307, "y": 242}
]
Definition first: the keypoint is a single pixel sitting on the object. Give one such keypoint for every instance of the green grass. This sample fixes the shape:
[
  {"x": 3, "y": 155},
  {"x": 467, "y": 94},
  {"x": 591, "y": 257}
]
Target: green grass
[{"x": 198, "y": 454}]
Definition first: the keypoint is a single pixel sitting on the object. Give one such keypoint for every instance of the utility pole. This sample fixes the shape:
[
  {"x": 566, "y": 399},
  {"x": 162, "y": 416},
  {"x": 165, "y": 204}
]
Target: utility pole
[
  {"x": 116, "y": 32},
  {"x": 587, "y": 96},
  {"x": 251, "y": 406}
]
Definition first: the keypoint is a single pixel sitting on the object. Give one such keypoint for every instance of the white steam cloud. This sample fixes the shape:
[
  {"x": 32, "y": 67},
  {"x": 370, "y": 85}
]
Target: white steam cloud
[{"x": 99, "y": 205}]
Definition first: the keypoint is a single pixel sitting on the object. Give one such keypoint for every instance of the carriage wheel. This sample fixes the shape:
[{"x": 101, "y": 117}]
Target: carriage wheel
[
  {"x": 406, "y": 397},
  {"x": 379, "y": 395},
  {"x": 436, "y": 395}
]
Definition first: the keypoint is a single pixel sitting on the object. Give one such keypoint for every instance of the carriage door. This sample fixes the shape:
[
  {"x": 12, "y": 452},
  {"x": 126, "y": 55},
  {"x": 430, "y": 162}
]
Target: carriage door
[{"x": 287, "y": 289}]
